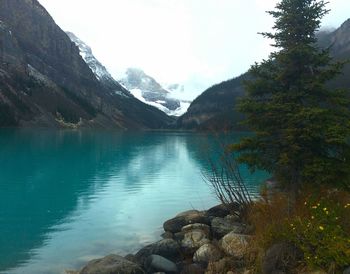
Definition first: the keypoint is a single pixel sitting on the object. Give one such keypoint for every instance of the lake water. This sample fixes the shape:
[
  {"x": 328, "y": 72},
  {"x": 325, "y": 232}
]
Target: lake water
[{"x": 67, "y": 197}]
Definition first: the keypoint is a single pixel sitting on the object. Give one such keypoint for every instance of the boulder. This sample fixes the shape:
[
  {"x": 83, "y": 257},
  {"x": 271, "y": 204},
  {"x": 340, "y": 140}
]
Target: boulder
[
  {"x": 179, "y": 236},
  {"x": 222, "y": 226},
  {"x": 202, "y": 227},
  {"x": 234, "y": 244},
  {"x": 281, "y": 258},
  {"x": 131, "y": 258},
  {"x": 207, "y": 253},
  {"x": 221, "y": 210},
  {"x": 175, "y": 225},
  {"x": 347, "y": 271},
  {"x": 112, "y": 264},
  {"x": 160, "y": 264},
  {"x": 188, "y": 212},
  {"x": 168, "y": 248},
  {"x": 167, "y": 235},
  {"x": 194, "y": 240}
]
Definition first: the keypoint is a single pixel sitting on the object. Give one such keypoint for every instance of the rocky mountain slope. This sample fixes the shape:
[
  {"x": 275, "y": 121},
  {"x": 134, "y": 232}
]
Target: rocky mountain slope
[
  {"x": 45, "y": 82},
  {"x": 148, "y": 90},
  {"x": 215, "y": 107},
  {"x": 97, "y": 68}
]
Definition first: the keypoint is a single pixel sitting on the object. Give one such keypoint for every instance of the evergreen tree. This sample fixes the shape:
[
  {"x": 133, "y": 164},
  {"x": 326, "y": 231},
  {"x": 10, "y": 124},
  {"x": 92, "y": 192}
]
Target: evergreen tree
[{"x": 301, "y": 126}]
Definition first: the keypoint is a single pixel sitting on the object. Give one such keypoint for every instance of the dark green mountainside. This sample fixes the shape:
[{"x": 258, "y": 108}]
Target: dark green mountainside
[
  {"x": 215, "y": 109},
  {"x": 44, "y": 82}
]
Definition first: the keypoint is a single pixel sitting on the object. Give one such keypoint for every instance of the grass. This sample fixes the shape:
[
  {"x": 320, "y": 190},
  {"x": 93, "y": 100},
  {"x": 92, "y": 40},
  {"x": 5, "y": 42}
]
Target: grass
[{"x": 317, "y": 224}]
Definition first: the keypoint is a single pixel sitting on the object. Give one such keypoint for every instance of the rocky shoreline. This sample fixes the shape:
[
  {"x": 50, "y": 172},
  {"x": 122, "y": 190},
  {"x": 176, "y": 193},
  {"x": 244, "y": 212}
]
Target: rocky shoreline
[{"x": 211, "y": 241}]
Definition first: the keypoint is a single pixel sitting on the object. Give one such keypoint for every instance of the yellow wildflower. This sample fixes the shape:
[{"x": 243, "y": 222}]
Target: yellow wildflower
[{"x": 321, "y": 227}]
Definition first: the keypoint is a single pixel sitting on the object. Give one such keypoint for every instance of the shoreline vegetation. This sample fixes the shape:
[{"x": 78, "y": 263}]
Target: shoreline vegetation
[{"x": 217, "y": 240}]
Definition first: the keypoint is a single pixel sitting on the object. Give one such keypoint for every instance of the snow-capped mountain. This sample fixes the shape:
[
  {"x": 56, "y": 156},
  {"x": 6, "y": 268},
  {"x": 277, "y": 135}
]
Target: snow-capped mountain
[
  {"x": 148, "y": 90},
  {"x": 142, "y": 86},
  {"x": 97, "y": 68}
]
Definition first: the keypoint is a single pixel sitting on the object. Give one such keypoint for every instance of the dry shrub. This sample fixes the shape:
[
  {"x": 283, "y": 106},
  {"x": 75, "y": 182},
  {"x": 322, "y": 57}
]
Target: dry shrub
[{"x": 317, "y": 223}]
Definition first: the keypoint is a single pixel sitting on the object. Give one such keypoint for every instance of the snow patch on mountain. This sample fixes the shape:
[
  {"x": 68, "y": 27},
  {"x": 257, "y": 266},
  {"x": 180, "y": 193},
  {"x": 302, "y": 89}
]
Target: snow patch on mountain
[
  {"x": 97, "y": 68},
  {"x": 148, "y": 90}
]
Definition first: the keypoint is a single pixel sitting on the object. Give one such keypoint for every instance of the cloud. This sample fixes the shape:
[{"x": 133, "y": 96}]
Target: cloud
[{"x": 176, "y": 40}]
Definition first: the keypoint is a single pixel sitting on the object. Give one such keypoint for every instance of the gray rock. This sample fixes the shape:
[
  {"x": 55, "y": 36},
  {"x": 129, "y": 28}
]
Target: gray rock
[
  {"x": 131, "y": 258},
  {"x": 203, "y": 227},
  {"x": 207, "y": 253},
  {"x": 175, "y": 225},
  {"x": 194, "y": 240},
  {"x": 179, "y": 236},
  {"x": 167, "y": 248},
  {"x": 347, "y": 271},
  {"x": 112, "y": 264},
  {"x": 281, "y": 258},
  {"x": 234, "y": 244},
  {"x": 188, "y": 212},
  {"x": 167, "y": 235},
  {"x": 222, "y": 226},
  {"x": 221, "y": 210},
  {"x": 159, "y": 263}
]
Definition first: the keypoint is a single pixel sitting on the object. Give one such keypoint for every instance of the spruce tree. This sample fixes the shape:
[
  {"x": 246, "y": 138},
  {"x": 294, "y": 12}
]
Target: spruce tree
[{"x": 301, "y": 126}]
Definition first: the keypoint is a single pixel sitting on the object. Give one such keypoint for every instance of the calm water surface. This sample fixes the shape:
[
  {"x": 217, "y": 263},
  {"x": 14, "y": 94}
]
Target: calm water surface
[{"x": 70, "y": 196}]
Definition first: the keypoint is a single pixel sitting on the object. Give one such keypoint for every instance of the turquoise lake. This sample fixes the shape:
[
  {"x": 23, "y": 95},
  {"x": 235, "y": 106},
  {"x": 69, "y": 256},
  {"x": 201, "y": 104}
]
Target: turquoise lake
[{"x": 67, "y": 197}]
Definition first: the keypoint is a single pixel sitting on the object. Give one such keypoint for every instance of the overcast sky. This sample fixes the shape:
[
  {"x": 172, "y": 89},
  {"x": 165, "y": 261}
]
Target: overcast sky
[{"x": 197, "y": 42}]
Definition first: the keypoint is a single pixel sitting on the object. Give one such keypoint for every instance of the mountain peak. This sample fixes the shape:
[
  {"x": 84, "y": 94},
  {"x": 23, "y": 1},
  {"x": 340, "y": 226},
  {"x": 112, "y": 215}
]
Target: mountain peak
[
  {"x": 147, "y": 89},
  {"x": 100, "y": 71}
]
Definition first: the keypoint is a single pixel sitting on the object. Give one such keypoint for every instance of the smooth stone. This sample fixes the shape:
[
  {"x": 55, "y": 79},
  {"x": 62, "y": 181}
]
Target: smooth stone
[
  {"x": 202, "y": 227},
  {"x": 167, "y": 235},
  {"x": 280, "y": 257},
  {"x": 234, "y": 244},
  {"x": 218, "y": 211},
  {"x": 347, "y": 271},
  {"x": 188, "y": 212},
  {"x": 194, "y": 240},
  {"x": 232, "y": 218},
  {"x": 112, "y": 264},
  {"x": 131, "y": 258},
  {"x": 175, "y": 225},
  {"x": 179, "y": 236},
  {"x": 167, "y": 248},
  {"x": 222, "y": 226},
  {"x": 207, "y": 253},
  {"x": 161, "y": 264}
]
